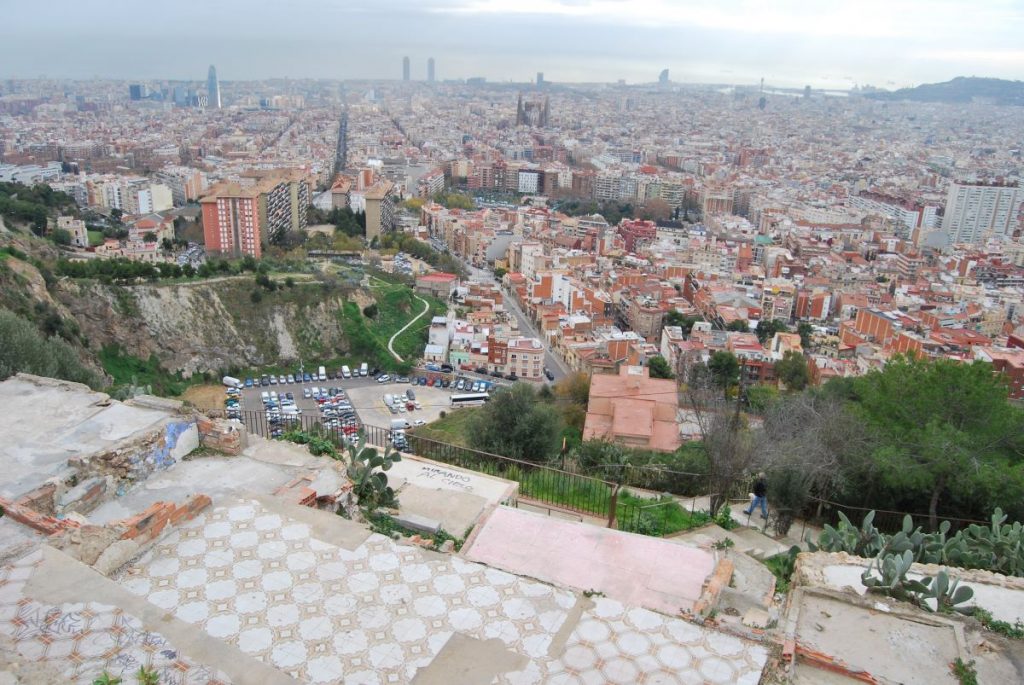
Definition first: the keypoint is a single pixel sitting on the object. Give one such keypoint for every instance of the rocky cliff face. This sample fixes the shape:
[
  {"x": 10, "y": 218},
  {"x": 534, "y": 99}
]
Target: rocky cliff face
[{"x": 207, "y": 326}]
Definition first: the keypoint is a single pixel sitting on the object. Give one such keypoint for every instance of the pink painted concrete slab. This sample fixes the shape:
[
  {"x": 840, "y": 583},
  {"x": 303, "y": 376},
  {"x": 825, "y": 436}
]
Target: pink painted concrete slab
[{"x": 634, "y": 569}]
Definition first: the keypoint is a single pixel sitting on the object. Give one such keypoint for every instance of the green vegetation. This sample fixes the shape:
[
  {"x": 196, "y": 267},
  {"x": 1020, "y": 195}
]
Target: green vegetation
[
  {"x": 517, "y": 424},
  {"x": 659, "y": 368},
  {"x": 1013, "y": 631},
  {"x": 27, "y": 350},
  {"x": 95, "y": 238},
  {"x": 130, "y": 371},
  {"x": 386, "y": 525},
  {"x": 766, "y": 330},
  {"x": 782, "y": 567},
  {"x": 453, "y": 200},
  {"x": 998, "y": 548},
  {"x": 675, "y": 318},
  {"x": 792, "y": 371},
  {"x": 318, "y": 445},
  {"x": 107, "y": 679},
  {"x": 452, "y": 428},
  {"x": 422, "y": 251},
  {"x": 964, "y": 672},
  {"x": 33, "y": 204},
  {"x": 396, "y": 306},
  {"x": 612, "y": 211},
  {"x": 943, "y": 432},
  {"x": 366, "y": 469}
]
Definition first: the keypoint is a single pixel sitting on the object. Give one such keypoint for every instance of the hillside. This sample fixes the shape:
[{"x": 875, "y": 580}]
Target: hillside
[
  {"x": 164, "y": 331},
  {"x": 960, "y": 90}
]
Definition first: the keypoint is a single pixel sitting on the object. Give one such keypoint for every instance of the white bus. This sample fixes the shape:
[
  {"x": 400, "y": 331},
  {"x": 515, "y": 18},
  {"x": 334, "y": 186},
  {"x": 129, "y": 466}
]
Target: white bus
[{"x": 470, "y": 399}]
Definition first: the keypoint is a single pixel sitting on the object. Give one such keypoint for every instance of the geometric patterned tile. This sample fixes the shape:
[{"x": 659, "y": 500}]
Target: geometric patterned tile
[{"x": 86, "y": 639}]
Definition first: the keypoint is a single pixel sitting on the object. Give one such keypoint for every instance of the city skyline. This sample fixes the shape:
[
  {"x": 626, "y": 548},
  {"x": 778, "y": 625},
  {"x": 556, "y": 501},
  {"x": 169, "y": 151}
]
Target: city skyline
[{"x": 890, "y": 45}]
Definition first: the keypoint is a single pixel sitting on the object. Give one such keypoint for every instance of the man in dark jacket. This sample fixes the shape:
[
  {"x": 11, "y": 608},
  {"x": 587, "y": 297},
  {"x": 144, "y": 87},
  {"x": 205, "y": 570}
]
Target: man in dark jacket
[{"x": 760, "y": 497}]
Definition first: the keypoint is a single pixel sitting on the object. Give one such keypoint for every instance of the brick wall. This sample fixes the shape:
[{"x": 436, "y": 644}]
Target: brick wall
[
  {"x": 221, "y": 435},
  {"x": 36, "y": 521},
  {"x": 148, "y": 524}
]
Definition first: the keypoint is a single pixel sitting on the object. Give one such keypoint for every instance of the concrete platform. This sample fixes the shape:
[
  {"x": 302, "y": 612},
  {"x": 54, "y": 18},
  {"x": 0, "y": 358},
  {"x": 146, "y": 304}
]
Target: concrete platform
[
  {"x": 45, "y": 422},
  {"x": 635, "y": 569}
]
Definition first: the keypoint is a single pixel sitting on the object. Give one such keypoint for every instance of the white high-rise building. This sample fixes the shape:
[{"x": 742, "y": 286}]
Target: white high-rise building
[{"x": 976, "y": 212}]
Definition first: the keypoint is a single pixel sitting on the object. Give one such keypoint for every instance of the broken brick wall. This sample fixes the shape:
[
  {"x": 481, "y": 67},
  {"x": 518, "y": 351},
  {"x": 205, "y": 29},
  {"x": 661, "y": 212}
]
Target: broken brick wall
[{"x": 224, "y": 436}]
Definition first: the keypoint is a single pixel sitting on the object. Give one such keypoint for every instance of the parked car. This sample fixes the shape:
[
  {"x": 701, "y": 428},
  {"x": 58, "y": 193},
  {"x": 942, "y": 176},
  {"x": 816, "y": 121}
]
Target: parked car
[
  {"x": 248, "y": 382},
  {"x": 384, "y": 379},
  {"x": 419, "y": 422},
  {"x": 265, "y": 380},
  {"x": 307, "y": 378},
  {"x": 410, "y": 394},
  {"x": 447, "y": 368},
  {"x": 550, "y": 376},
  {"x": 423, "y": 380}
]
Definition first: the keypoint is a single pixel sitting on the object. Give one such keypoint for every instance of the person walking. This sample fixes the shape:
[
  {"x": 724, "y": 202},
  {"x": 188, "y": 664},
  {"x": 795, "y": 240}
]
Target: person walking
[{"x": 760, "y": 497}]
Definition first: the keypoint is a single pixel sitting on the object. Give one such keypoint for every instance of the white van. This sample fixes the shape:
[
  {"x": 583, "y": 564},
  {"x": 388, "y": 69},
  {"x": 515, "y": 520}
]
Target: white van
[
  {"x": 346, "y": 372},
  {"x": 231, "y": 382},
  {"x": 321, "y": 374},
  {"x": 364, "y": 369}
]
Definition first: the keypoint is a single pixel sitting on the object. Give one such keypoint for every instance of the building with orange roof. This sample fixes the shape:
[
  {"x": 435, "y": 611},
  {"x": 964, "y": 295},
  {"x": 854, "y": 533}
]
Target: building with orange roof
[{"x": 633, "y": 409}]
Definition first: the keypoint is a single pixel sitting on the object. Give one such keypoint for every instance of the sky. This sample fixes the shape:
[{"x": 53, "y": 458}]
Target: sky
[{"x": 790, "y": 43}]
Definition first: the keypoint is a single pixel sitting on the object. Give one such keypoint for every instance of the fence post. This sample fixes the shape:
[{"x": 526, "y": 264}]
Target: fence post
[{"x": 613, "y": 505}]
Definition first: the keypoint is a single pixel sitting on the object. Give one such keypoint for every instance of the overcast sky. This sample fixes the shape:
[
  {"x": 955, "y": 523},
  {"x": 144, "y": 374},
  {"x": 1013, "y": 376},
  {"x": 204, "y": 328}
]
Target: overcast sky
[{"x": 824, "y": 43}]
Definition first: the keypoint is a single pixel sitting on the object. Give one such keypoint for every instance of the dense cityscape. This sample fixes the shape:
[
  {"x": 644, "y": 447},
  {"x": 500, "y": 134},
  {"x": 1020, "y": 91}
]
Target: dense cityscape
[{"x": 451, "y": 378}]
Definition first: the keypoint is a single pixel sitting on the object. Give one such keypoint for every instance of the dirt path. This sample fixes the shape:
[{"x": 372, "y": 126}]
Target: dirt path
[{"x": 391, "y": 349}]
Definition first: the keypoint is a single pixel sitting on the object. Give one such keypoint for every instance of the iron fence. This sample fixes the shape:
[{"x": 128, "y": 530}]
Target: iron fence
[{"x": 823, "y": 511}]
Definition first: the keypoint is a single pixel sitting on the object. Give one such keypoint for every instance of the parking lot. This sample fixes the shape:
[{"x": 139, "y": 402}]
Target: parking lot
[
  {"x": 364, "y": 394},
  {"x": 369, "y": 403}
]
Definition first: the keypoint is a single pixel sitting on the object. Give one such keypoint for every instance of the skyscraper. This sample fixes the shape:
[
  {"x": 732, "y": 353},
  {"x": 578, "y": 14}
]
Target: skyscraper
[
  {"x": 213, "y": 88},
  {"x": 540, "y": 79},
  {"x": 405, "y": 68},
  {"x": 430, "y": 70},
  {"x": 976, "y": 212},
  {"x": 663, "y": 77}
]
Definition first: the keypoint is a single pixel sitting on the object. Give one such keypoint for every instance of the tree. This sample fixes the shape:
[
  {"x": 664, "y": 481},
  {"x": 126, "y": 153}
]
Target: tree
[
  {"x": 766, "y": 330},
  {"x": 676, "y": 318},
  {"x": 656, "y": 209},
  {"x": 657, "y": 367},
  {"x": 370, "y": 311},
  {"x": 738, "y": 325},
  {"x": 499, "y": 273},
  {"x": 61, "y": 236},
  {"x": 516, "y": 424},
  {"x": 728, "y": 443},
  {"x": 805, "y": 330},
  {"x": 724, "y": 368},
  {"x": 943, "y": 429},
  {"x": 808, "y": 442},
  {"x": 792, "y": 370},
  {"x": 167, "y": 244},
  {"x": 575, "y": 388},
  {"x": 149, "y": 237}
]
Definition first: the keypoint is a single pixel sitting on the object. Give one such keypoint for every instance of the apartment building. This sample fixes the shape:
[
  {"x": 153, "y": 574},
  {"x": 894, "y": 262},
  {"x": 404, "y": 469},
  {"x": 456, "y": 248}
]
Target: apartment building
[
  {"x": 284, "y": 199},
  {"x": 231, "y": 220},
  {"x": 380, "y": 209},
  {"x": 522, "y": 356},
  {"x": 976, "y": 212}
]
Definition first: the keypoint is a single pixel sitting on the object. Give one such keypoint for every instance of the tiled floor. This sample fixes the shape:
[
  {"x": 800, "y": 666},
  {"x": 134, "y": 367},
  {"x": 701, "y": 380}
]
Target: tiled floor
[
  {"x": 86, "y": 639},
  {"x": 615, "y": 644},
  {"x": 324, "y": 614}
]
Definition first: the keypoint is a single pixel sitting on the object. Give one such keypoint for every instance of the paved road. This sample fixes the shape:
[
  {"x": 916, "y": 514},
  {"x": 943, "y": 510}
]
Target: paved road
[{"x": 557, "y": 367}]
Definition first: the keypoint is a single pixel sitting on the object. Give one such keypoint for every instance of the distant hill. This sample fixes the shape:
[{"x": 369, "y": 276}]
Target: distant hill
[{"x": 959, "y": 90}]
